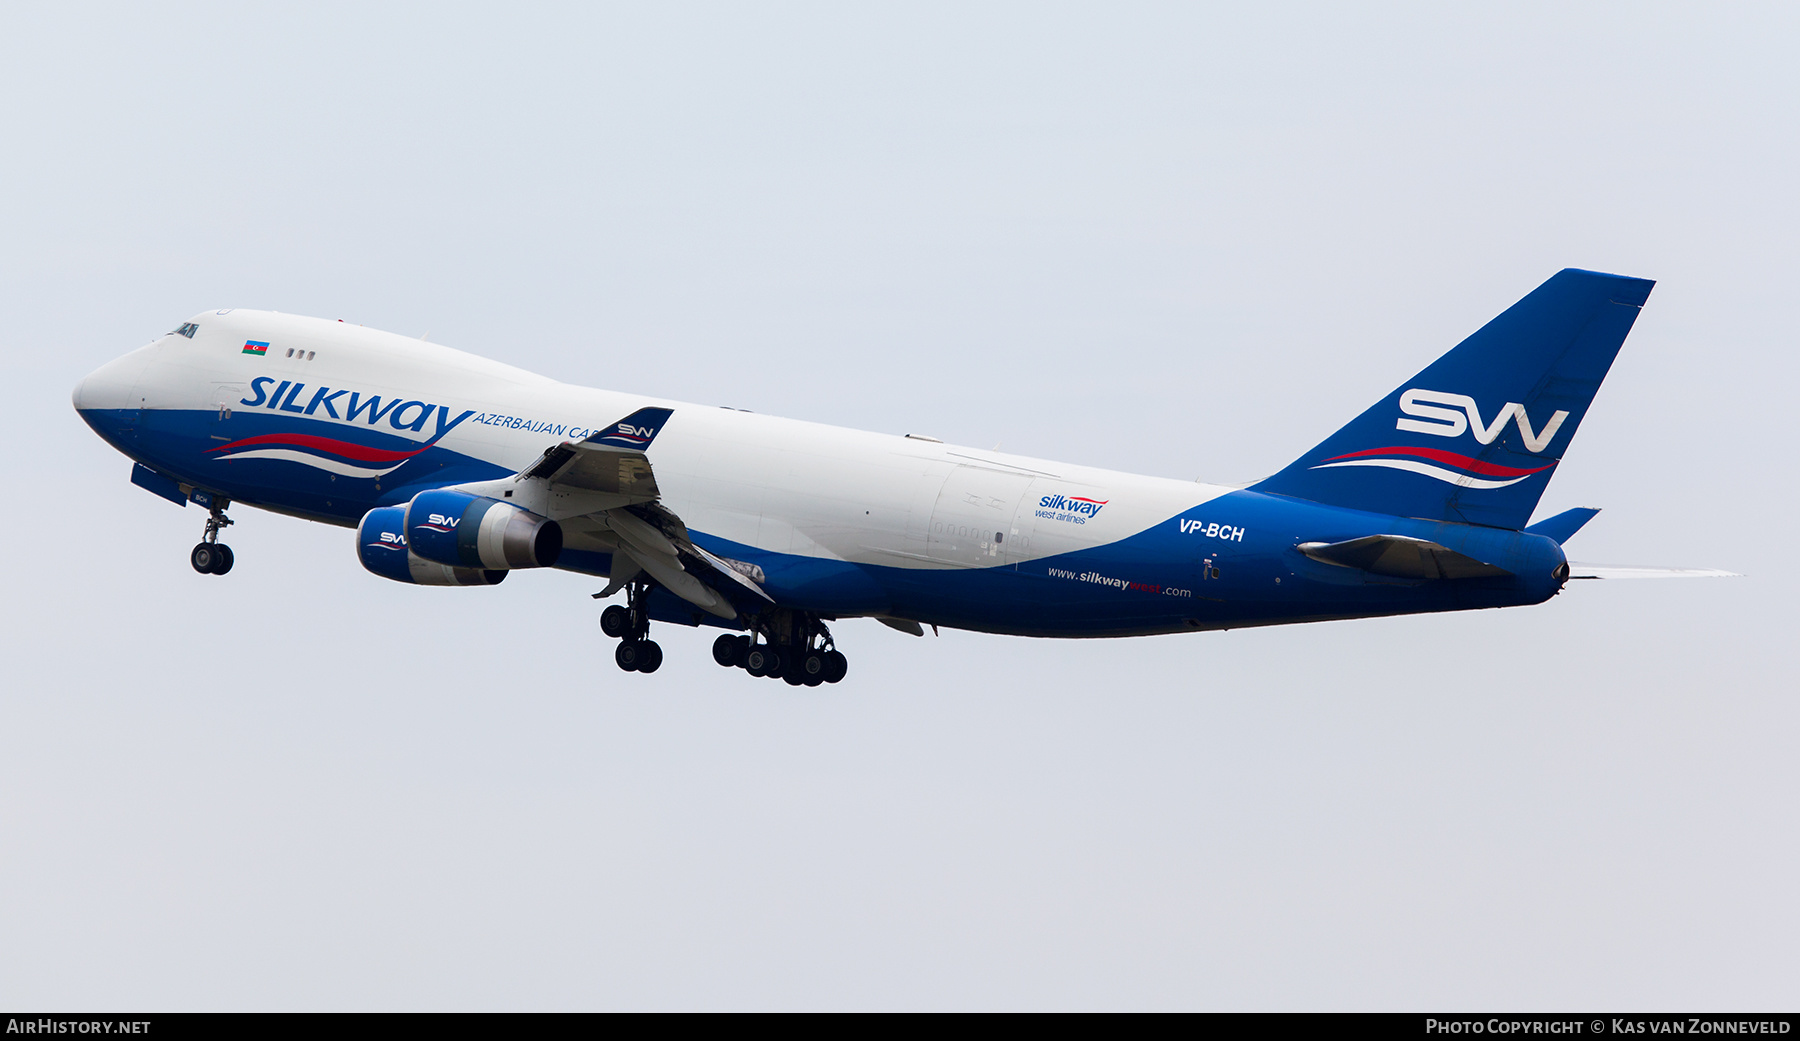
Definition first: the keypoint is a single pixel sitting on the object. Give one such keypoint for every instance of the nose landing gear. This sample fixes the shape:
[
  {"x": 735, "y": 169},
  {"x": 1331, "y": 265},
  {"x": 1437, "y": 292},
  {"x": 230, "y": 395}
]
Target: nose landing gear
[{"x": 212, "y": 557}]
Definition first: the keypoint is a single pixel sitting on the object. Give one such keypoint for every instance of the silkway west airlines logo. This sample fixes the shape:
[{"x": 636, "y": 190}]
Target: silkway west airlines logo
[
  {"x": 329, "y": 453},
  {"x": 1464, "y": 416},
  {"x": 1075, "y": 509}
]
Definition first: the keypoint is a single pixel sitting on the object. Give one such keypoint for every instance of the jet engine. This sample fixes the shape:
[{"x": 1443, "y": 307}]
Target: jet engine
[
  {"x": 381, "y": 543},
  {"x": 473, "y": 531}
]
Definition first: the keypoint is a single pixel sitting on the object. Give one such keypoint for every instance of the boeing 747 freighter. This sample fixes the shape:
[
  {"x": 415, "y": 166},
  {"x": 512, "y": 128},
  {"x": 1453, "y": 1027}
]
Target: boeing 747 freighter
[{"x": 456, "y": 471}]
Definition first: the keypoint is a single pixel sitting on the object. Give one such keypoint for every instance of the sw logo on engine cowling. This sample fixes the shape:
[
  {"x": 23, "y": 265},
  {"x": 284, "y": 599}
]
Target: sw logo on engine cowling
[{"x": 391, "y": 540}]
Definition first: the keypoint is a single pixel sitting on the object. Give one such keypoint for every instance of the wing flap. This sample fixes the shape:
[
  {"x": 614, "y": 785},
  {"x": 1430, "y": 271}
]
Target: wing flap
[
  {"x": 743, "y": 574},
  {"x": 670, "y": 575},
  {"x": 640, "y": 533}
]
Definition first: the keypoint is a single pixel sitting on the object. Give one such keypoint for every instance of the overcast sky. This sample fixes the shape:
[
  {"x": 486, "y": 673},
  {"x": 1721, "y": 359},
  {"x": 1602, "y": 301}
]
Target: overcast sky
[{"x": 1178, "y": 240}]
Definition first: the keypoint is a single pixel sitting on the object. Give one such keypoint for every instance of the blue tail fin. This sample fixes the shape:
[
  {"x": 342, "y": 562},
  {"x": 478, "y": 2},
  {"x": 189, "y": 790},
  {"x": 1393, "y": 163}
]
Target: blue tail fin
[{"x": 1477, "y": 435}]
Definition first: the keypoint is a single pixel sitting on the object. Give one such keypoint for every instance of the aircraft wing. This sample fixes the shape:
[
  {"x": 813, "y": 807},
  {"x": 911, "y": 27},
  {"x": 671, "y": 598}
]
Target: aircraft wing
[
  {"x": 597, "y": 467},
  {"x": 604, "y": 488}
]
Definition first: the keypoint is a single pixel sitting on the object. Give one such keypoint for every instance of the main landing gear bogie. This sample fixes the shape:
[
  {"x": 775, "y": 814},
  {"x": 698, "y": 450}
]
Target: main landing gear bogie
[
  {"x": 792, "y": 646},
  {"x": 806, "y": 658},
  {"x": 210, "y": 556},
  {"x": 630, "y": 625}
]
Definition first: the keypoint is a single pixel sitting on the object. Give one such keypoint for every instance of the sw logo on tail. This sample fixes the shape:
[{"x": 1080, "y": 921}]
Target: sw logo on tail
[{"x": 1448, "y": 422}]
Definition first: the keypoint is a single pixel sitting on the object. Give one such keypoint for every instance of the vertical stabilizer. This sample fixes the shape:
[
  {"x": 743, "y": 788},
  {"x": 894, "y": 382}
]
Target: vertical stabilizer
[{"x": 1477, "y": 435}]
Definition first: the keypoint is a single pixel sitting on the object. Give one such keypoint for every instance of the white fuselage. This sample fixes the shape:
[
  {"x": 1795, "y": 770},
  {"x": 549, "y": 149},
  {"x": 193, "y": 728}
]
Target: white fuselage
[{"x": 779, "y": 486}]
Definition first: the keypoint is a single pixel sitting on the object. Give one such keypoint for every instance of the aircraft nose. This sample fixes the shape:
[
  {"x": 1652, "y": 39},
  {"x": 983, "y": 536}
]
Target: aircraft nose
[{"x": 111, "y": 386}]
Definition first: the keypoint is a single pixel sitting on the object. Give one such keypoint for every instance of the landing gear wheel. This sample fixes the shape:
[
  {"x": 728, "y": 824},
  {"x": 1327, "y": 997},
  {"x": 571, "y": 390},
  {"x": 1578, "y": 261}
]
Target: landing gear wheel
[
  {"x": 727, "y": 650},
  {"x": 792, "y": 676},
  {"x": 649, "y": 656},
  {"x": 629, "y": 655},
  {"x": 762, "y": 661},
  {"x": 812, "y": 669},
  {"x": 210, "y": 557},
  {"x": 835, "y": 666},
  {"x": 615, "y": 621}
]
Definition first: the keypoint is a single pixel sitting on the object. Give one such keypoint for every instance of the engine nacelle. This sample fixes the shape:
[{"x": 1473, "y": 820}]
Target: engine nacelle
[
  {"x": 381, "y": 543},
  {"x": 473, "y": 531}
]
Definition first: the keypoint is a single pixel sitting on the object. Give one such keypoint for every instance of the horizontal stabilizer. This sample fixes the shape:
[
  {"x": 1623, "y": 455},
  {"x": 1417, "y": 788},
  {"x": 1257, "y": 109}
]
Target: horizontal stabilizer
[
  {"x": 1563, "y": 526},
  {"x": 1624, "y": 571},
  {"x": 1397, "y": 556}
]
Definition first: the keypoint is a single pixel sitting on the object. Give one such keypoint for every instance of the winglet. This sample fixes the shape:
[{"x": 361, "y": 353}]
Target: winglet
[
  {"x": 635, "y": 431},
  {"x": 1562, "y": 527}
]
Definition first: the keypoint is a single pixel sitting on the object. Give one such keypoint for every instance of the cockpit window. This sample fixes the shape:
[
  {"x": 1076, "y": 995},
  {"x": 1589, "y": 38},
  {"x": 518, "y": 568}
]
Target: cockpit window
[{"x": 188, "y": 329}]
